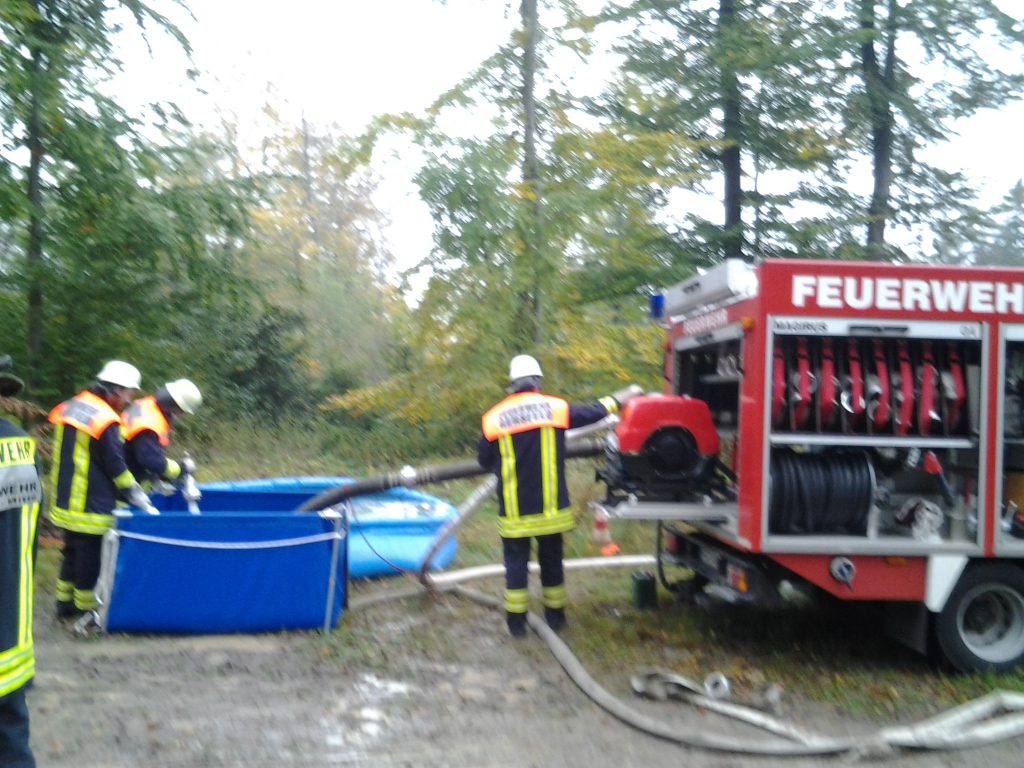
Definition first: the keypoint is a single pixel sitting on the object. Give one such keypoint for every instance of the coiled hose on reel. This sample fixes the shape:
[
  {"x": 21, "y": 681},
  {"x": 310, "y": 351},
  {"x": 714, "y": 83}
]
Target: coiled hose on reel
[{"x": 820, "y": 492}]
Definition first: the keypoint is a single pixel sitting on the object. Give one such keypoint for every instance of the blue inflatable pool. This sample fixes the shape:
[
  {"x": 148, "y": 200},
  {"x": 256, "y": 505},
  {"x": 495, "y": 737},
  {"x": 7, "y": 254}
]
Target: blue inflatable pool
[{"x": 249, "y": 563}]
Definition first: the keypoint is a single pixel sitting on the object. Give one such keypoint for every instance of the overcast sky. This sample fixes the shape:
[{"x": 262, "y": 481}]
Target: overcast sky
[{"x": 340, "y": 62}]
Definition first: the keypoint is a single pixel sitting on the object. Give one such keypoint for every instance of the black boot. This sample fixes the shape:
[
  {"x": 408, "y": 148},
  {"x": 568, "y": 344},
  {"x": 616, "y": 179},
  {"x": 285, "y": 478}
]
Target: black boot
[
  {"x": 66, "y": 610},
  {"x": 555, "y": 617},
  {"x": 516, "y": 624}
]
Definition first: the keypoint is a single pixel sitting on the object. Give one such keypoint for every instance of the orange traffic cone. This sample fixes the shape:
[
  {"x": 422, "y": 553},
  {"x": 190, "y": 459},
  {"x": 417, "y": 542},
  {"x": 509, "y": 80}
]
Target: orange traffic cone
[{"x": 603, "y": 534}]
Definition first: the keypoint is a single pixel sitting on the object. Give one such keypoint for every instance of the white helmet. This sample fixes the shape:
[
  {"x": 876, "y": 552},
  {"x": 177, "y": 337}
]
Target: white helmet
[
  {"x": 185, "y": 394},
  {"x": 523, "y": 366},
  {"x": 120, "y": 374}
]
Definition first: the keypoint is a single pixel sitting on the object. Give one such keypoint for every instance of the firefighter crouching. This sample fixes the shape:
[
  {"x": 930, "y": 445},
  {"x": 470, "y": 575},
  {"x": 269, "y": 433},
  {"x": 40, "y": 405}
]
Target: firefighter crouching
[
  {"x": 20, "y": 494},
  {"x": 523, "y": 443},
  {"x": 89, "y": 474},
  {"x": 147, "y": 431}
]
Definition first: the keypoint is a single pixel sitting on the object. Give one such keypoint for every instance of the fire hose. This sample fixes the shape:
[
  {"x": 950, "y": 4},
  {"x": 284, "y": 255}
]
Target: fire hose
[
  {"x": 994, "y": 717},
  {"x": 408, "y": 477}
]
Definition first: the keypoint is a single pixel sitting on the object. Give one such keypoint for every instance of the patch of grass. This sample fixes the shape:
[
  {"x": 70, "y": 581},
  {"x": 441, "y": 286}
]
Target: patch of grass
[
  {"x": 353, "y": 644},
  {"x": 835, "y": 655},
  {"x": 47, "y": 563}
]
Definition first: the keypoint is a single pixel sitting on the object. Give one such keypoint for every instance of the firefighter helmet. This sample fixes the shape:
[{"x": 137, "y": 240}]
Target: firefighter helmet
[
  {"x": 523, "y": 366},
  {"x": 120, "y": 374},
  {"x": 185, "y": 394},
  {"x": 10, "y": 385}
]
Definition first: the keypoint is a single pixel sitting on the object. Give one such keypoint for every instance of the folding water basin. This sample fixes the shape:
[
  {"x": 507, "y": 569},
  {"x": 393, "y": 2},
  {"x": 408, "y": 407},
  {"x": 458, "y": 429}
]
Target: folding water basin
[{"x": 249, "y": 563}]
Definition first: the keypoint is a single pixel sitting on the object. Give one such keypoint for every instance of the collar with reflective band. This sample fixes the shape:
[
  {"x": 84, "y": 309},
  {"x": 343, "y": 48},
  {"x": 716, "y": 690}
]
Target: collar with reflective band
[
  {"x": 19, "y": 480},
  {"x": 905, "y": 393},
  {"x": 87, "y": 412},
  {"x": 802, "y": 385},
  {"x": 827, "y": 395},
  {"x": 953, "y": 385},
  {"x": 524, "y": 411},
  {"x": 778, "y": 384},
  {"x": 145, "y": 414},
  {"x": 928, "y": 375},
  {"x": 882, "y": 406}
]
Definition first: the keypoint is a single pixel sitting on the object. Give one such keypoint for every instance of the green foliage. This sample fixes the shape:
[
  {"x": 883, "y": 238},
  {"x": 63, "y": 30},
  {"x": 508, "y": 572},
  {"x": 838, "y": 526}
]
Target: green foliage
[
  {"x": 769, "y": 61},
  {"x": 161, "y": 252},
  {"x": 1004, "y": 245},
  {"x": 266, "y": 281},
  {"x": 314, "y": 248}
]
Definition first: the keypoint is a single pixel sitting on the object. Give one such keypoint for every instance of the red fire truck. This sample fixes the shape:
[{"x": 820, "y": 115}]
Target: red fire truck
[{"x": 850, "y": 425}]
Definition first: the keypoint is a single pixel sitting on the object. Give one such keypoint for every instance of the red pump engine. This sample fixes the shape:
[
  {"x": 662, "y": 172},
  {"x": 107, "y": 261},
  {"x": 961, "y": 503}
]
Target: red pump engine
[{"x": 665, "y": 447}]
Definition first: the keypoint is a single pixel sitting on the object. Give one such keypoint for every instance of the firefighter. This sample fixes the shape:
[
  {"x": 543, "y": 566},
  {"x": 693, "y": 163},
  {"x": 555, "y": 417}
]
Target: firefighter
[
  {"x": 89, "y": 474},
  {"x": 20, "y": 495},
  {"x": 147, "y": 431},
  {"x": 523, "y": 443}
]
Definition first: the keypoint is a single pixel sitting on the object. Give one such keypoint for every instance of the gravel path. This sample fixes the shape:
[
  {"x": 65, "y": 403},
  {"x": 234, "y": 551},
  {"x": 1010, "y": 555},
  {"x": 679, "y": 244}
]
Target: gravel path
[{"x": 438, "y": 684}]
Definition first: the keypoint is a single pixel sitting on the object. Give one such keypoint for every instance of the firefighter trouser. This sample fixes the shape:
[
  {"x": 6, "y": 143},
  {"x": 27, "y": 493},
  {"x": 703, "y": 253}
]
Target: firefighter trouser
[
  {"x": 79, "y": 571},
  {"x": 552, "y": 575},
  {"x": 14, "y": 749}
]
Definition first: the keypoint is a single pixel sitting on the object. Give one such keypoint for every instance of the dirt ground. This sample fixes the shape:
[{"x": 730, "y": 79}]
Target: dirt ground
[{"x": 437, "y": 683}]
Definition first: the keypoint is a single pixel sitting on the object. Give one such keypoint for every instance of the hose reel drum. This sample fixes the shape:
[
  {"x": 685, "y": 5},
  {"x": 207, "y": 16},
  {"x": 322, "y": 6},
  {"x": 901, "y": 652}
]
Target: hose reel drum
[{"x": 826, "y": 492}]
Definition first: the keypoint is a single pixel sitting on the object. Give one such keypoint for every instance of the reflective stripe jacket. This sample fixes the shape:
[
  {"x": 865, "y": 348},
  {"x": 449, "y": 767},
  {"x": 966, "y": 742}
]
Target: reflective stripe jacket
[
  {"x": 88, "y": 464},
  {"x": 20, "y": 494},
  {"x": 523, "y": 443},
  {"x": 146, "y": 433}
]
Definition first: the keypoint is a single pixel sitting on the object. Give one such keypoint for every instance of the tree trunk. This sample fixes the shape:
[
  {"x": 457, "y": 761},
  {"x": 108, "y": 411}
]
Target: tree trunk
[
  {"x": 532, "y": 240},
  {"x": 879, "y": 83},
  {"x": 732, "y": 166},
  {"x": 34, "y": 246},
  {"x": 308, "y": 214}
]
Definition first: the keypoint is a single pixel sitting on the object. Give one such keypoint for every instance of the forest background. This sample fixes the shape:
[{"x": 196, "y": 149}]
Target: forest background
[{"x": 729, "y": 129}]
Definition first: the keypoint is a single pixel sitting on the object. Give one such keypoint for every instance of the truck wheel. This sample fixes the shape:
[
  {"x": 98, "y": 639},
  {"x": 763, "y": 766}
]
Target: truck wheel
[{"x": 982, "y": 624}]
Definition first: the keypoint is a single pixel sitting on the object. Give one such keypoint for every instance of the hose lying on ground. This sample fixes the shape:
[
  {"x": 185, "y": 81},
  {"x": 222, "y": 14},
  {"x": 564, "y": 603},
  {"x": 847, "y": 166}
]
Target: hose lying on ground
[
  {"x": 994, "y": 717},
  {"x": 991, "y": 718}
]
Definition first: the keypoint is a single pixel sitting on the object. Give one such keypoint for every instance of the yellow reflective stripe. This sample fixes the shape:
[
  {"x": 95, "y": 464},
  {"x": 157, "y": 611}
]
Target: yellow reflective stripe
[
  {"x": 517, "y": 600},
  {"x": 548, "y": 472},
  {"x": 96, "y": 523},
  {"x": 17, "y": 665},
  {"x": 554, "y": 597},
  {"x": 537, "y": 525},
  {"x": 64, "y": 591},
  {"x": 58, "y": 517},
  {"x": 13, "y": 656},
  {"x": 610, "y": 405},
  {"x": 125, "y": 480},
  {"x": 29, "y": 515},
  {"x": 85, "y": 600},
  {"x": 509, "y": 479},
  {"x": 173, "y": 471},
  {"x": 80, "y": 475},
  {"x": 16, "y": 669},
  {"x": 58, "y": 439}
]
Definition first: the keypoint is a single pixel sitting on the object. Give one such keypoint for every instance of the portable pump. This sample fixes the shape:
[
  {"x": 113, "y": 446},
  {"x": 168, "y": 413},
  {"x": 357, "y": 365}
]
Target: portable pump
[{"x": 664, "y": 447}]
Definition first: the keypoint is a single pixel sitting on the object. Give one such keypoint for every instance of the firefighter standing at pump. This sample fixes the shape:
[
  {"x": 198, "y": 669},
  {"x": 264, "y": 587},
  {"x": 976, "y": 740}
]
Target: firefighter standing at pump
[
  {"x": 523, "y": 443},
  {"x": 89, "y": 473},
  {"x": 20, "y": 495},
  {"x": 147, "y": 431}
]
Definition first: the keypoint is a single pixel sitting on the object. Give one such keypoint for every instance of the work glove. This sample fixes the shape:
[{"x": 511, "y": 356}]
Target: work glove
[
  {"x": 189, "y": 490},
  {"x": 626, "y": 394},
  {"x": 188, "y": 465},
  {"x": 162, "y": 487},
  {"x": 138, "y": 498}
]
